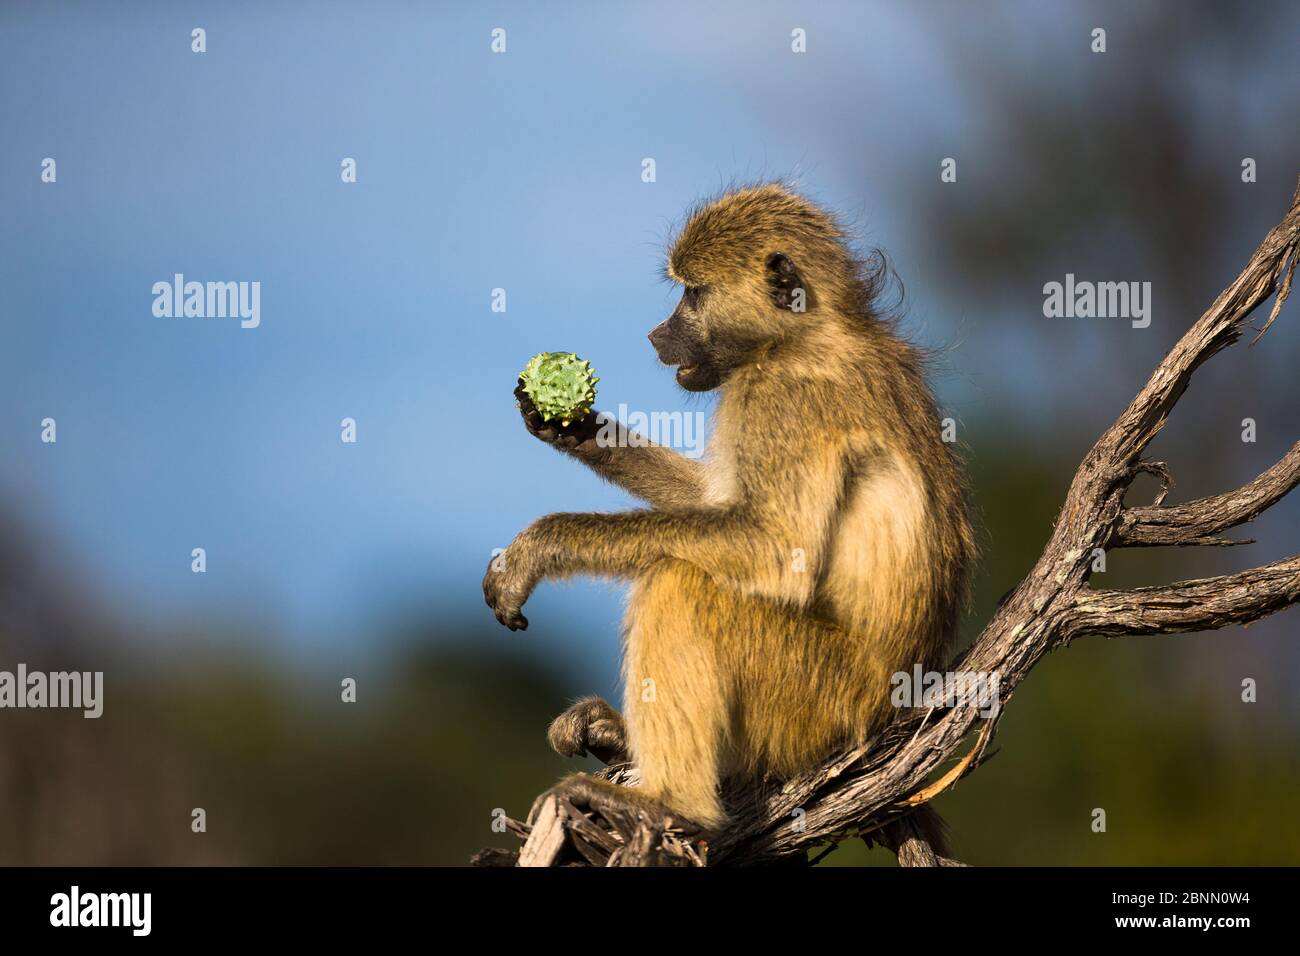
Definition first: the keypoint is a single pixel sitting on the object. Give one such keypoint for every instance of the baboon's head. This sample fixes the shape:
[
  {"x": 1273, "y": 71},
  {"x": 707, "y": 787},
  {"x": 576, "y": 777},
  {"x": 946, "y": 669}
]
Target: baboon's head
[{"x": 757, "y": 266}]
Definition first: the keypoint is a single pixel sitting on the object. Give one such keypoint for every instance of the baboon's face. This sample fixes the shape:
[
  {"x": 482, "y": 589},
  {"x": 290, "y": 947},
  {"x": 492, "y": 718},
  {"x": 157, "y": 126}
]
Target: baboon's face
[
  {"x": 718, "y": 327},
  {"x": 683, "y": 340}
]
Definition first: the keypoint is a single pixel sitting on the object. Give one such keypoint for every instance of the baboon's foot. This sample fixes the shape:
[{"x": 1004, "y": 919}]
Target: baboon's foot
[
  {"x": 593, "y": 727},
  {"x": 591, "y": 793}
]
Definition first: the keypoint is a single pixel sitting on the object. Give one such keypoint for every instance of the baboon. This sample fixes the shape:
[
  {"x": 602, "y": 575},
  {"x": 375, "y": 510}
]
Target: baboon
[{"x": 821, "y": 544}]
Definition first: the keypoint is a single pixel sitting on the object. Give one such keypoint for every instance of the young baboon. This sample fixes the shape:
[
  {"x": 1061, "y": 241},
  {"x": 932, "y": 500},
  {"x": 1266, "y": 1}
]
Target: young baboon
[{"x": 820, "y": 546}]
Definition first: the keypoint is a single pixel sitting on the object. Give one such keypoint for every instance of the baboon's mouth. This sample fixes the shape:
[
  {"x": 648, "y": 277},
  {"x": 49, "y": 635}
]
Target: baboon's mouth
[{"x": 698, "y": 377}]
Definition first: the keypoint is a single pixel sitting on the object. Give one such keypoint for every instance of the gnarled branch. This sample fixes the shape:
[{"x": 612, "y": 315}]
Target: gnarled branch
[
  {"x": 871, "y": 789},
  {"x": 1201, "y": 605},
  {"x": 1197, "y": 522}
]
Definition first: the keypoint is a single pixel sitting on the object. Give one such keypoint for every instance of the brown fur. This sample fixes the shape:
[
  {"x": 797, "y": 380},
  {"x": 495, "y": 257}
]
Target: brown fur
[{"x": 822, "y": 544}]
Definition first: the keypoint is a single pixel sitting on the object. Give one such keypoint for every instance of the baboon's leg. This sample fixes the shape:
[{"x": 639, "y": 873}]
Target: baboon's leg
[
  {"x": 676, "y": 696},
  {"x": 719, "y": 682},
  {"x": 590, "y": 726}
]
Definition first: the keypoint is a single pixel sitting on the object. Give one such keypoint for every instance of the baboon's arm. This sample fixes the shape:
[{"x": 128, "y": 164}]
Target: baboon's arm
[
  {"x": 659, "y": 476},
  {"x": 724, "y": 543},
  {"x": 729, "y": 544},
  {"x": 771, "y": 542},
  {"x": 790, "y": 479}
]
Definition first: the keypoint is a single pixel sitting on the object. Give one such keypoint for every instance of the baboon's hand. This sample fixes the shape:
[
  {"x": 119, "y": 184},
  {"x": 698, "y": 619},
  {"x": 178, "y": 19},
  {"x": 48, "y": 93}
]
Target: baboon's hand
[
  {"x": 506, "y": 586},
  {"x": 564, "y": 437}
]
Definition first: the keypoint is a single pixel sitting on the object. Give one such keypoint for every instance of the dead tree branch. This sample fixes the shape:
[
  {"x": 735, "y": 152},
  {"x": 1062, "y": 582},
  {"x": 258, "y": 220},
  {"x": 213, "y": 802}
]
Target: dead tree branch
[
  {"x": 1202, "y": 605},
  {"x": 871, "y": 789},
  {"x": 1197, "y": 522}
]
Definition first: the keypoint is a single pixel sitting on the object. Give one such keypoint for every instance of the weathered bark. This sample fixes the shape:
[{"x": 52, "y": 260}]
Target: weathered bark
[
  {"x": 869, "y": 790},
  {"x": 1197, "y": 522}
]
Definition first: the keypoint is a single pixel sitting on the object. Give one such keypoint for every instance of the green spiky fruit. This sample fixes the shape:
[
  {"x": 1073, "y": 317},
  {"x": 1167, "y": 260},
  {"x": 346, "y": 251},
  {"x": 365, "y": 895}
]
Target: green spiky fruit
[{"x": 561, "y": 385}]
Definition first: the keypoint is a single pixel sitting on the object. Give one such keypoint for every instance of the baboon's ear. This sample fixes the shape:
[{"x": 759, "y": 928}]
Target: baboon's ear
[{"x": 786, "y": 285}]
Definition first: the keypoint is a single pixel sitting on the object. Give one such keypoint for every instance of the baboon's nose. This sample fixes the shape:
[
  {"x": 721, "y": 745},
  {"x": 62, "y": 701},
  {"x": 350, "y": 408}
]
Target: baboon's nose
[{"x": 659, "y": 337}]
